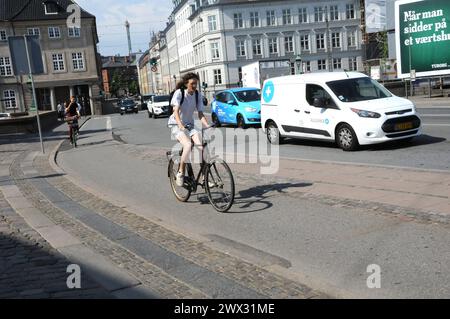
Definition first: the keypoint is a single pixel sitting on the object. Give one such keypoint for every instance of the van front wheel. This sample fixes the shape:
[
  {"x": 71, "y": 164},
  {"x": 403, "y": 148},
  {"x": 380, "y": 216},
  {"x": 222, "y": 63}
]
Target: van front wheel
[
  {"x": 346, "y": 138},
  {"x": 273, "y": 134}
]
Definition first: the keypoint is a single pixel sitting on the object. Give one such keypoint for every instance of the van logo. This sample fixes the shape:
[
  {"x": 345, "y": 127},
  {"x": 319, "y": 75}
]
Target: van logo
[{"x": 268, "y": 92}]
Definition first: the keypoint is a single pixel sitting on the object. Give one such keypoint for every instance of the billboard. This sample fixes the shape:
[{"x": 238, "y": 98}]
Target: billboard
[{"x": 423, "y": 37}]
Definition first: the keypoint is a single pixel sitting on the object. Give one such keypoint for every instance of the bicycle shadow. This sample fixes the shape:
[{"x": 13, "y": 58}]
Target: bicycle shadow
[{"x": 257, "y": 196}]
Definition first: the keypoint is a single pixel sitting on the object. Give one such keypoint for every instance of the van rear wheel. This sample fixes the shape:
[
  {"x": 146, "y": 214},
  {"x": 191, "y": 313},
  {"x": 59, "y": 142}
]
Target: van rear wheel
[{"x": 346, "y": 138}]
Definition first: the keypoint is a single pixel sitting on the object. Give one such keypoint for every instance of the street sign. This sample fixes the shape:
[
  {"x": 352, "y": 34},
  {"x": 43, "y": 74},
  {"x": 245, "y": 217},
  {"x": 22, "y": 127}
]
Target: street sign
[
  {"x": 423, "y": 37},
  {"x": 19, "y": 57}
]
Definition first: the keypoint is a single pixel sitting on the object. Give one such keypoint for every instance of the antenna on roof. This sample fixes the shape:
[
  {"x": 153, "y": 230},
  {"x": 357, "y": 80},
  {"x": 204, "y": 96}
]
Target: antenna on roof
[{"x": 345, "y": 70}]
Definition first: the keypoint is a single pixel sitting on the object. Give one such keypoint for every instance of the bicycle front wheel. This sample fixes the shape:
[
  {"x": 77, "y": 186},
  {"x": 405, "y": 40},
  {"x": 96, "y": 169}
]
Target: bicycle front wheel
[
  {"x": 219, "y": 184},
  {"x": 183, "y": 193}
]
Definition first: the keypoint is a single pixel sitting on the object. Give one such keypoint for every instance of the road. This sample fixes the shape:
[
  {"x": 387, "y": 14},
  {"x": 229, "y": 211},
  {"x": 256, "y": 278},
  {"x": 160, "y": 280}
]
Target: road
[{"x": 327, "y": 247}]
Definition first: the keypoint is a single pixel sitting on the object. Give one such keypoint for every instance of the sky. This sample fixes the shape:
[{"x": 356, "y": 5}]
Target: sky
[{"x": 144, "y": 16}]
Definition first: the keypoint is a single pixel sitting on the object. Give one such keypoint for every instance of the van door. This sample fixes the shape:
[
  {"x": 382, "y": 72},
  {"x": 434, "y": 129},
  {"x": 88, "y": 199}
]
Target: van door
[
  {"x": 320, "y": 121},
  {"x": 292, "y": 109}
]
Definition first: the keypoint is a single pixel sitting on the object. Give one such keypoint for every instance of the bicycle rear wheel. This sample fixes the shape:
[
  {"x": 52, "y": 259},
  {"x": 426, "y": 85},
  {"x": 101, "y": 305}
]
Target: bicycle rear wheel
[
  {"x": 219, "y": 184},
  {"x": 181, "y": 193}
]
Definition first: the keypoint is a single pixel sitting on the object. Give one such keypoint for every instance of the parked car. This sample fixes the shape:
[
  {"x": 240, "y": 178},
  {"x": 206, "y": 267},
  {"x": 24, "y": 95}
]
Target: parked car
[
  {"x": 128, "y": 106},
  {"x": 241, "y": 107},
  {"x": 348, "y": 108},
  {"x": 145, "y": 101},
  {"x": 159, "y": 106},
  {"x": 5, "y": 116}
]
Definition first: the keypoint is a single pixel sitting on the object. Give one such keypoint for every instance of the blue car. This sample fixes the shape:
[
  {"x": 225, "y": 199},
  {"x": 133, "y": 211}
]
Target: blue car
[{"x": 241, "y": 107}]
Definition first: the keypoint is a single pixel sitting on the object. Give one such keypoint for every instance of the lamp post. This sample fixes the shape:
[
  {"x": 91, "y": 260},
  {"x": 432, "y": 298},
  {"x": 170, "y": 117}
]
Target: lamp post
[{"x": 298, "y": 62}]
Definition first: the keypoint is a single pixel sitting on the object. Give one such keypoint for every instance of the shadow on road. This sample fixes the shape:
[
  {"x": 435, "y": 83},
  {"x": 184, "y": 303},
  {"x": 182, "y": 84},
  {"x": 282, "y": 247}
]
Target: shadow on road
[
  {"x": 257, "y": 198},
  {"x": 393, "y": 145}
]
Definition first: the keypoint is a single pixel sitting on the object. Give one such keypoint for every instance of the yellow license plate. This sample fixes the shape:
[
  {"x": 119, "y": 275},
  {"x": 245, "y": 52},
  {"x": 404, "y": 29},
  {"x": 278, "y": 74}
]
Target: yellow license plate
[{"x": 404, "y": 126}]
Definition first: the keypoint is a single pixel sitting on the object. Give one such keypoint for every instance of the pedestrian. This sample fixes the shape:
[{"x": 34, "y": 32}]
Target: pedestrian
[{"x": 60, "y": 111}]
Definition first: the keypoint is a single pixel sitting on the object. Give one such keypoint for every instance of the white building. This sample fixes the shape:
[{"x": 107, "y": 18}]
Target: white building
[{"x": 216, "y": 38}]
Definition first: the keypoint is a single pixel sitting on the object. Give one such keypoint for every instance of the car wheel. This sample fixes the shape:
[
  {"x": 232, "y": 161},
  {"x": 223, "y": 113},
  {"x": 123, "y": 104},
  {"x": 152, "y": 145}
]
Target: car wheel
[
  {"x": 215, "y": 120},
  {"x": 273, "y": 134},
  {"x": 241, "y": 122},
  {"x": 149, "y": 115},
  {"x": 346, "y": 138},
  {"x": 121, "y": 114},
  {"x": 154, "y": 116}
]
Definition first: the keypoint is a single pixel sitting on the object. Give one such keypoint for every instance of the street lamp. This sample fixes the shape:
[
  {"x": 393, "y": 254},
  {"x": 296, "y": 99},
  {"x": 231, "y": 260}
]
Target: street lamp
[{"x": 298, "y": 62}]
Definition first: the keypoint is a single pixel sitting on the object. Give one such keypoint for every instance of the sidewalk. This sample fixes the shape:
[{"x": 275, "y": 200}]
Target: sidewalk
[{"x": 121, "y": 254}]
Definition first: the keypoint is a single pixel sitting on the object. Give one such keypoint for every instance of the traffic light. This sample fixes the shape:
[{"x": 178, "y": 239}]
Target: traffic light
[{"x": 153, "y": 61}]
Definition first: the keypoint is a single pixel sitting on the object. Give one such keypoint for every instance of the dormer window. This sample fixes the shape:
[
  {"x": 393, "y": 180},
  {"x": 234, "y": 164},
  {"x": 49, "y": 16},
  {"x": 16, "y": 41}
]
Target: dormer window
[{"x": 51, "y": 7}]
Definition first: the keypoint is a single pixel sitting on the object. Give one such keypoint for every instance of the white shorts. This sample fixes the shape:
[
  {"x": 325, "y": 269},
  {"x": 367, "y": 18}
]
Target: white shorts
[{"x": 176, "y": 132}]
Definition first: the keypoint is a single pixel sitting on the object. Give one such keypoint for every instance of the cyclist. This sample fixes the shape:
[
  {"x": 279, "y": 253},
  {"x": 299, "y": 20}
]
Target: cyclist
[
  {"x": 185, "y": 101},
  {"x": 72, "y": 115}
]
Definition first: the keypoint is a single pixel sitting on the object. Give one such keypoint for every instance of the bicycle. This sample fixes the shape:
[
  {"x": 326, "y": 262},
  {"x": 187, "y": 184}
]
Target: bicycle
[
  {"x": 218, "y": 181},
  {"x": 73, "y": 123}
]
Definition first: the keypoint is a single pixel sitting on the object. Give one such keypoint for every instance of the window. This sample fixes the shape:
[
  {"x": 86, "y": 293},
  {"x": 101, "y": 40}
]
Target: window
[
  {"x": 319, "y": 14},
  {"x": 50, "y": 7},
  {"x": 54, "y": 32},
  {"x": 78, "y": 61},
  {"x": 58, "y": 62},
  {"x": 351, "y": 38},
  {"x": 307, "y": 66},
  {"x": 320, "y": 40},
  {"x": 273, "y": 45},
  {"x": 217, "y": 77},
  {"x": 353, "y": 64},
  {"x": 74, "y": 32},
  {"x": 215, "y": 54},
  {"x": 350, "y": 9},
  {"x": 271, "y": 18},
  {"x": 337, "y": 64},
  {"x": 336, "y": 39},
  {"x": 10, "y": 99},
  {"x": 359, "y": 89},
  {"x": 287, "y": 17},
  {"x": 292, "y": 66},
  {"x": 3, "y": 36},
  {"x": 304, "y": 42},
  {"x": 240, "y": 48},
  {"x": 256, "y": 43},
  {"x": 316, "y": 92},
  {"x": 322, "y": 64},
  {"x": 302, "y": 15},
  {"x": 238, "y": 21},
  {"x": 5, "y": 66},
  {"x": 254, "y": 19},
  {"x": 34, "y": 31},
  {"x": 212, "y": 23},
  {"x": 334, "y": 13},
  {"x": 289, "y": 44}
]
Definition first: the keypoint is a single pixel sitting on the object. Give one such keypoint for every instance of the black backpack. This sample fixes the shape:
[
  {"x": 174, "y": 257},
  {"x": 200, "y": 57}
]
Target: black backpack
[{"x": 182, "y": 99}]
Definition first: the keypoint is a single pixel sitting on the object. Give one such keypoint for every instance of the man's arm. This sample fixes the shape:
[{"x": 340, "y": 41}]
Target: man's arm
[
  {"x": 200, "y": 109},
  {"x": 176, "y": 109}
]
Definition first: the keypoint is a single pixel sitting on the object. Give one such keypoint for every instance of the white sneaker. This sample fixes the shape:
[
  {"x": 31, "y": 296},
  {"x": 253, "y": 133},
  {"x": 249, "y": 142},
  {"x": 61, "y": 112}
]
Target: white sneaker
[{"x": 180, "y": 179}]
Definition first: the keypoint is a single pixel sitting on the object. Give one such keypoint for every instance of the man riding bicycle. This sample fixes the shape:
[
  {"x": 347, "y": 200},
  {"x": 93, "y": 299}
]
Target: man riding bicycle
[
  {"x": 186, "y": 99},
  {"x": 72, "y": 116}
]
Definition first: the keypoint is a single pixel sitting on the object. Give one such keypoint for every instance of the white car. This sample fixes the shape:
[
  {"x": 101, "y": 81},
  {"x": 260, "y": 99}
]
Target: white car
[
  {"x": 158, "y": 106},
  {"x": 346, "y": 107},
  {"x": 5, "y": 116}
]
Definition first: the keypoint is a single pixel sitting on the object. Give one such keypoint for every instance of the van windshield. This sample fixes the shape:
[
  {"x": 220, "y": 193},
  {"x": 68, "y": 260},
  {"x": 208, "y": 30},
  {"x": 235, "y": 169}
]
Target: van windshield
[{"x": 359, "y": 89}]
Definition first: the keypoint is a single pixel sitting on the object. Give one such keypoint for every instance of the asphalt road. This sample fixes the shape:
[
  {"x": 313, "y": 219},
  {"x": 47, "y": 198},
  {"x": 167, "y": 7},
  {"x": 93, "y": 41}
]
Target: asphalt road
[
  {"x": 326, "y": 247},
  {"x": 430, "y": 151}
]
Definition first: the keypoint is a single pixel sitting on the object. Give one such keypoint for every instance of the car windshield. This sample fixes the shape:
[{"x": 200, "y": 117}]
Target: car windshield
[
  {"x": 359, "y": 89},
  {"x": 128, "y": 102},
  {"x": 248, "y": 96},
  {"x": 162, "y": 98}
]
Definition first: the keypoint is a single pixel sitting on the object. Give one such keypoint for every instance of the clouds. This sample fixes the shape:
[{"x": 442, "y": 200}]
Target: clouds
[{"x": 144, "y": 16}]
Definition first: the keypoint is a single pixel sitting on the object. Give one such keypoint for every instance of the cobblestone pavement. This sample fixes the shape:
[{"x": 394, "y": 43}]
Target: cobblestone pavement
[{"x": 163, "y": 261}]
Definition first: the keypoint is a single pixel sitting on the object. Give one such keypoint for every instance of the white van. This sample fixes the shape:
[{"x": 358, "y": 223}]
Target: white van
[{"x": 346, "y": 107}]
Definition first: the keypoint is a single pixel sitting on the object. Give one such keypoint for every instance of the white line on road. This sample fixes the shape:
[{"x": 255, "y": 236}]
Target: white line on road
[
  {"x": 108, "y": 123},
  {"x": 434, "y": 115},
  {"x": 436, "y": 124}
]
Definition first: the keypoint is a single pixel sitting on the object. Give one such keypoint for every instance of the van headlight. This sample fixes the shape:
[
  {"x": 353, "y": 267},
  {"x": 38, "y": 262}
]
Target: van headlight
[
  {"x": 250, "y": 109},
  {"x": 367, "y": 114}
]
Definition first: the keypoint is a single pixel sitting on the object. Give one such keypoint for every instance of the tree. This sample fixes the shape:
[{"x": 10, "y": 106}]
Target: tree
[
  {"x": 117, "y": 82},
  {"x": 133, "y": 87}
]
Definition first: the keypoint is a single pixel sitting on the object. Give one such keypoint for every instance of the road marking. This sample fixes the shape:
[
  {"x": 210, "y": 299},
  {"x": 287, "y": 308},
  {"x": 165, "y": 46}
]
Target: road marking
[
  {"x": 108, "y": 123},
  {"x": 436, "y": 124},
  {"x": 434, "y": 115}
]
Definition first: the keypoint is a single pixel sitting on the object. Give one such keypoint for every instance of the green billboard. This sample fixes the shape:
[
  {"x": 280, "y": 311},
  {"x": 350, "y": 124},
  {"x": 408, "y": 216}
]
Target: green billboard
[{"x": 423, "y": 37}]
